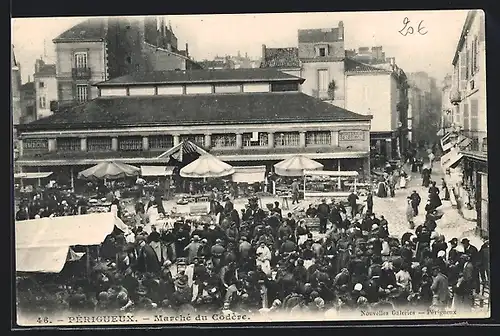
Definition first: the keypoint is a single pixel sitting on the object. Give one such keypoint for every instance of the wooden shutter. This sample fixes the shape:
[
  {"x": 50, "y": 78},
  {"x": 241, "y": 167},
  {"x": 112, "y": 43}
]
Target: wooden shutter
[
  {"x": 474, "y": 123},
  {"x": 463, "y": 71}
]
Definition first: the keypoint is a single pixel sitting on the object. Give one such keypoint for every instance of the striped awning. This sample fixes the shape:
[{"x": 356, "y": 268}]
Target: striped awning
[{"x": 185, "y": 147}]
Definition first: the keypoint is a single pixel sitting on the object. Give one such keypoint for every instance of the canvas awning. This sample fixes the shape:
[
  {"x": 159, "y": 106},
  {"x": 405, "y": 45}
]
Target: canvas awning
[
  {"x": 451, "y": 159},
  {"x": 42, "y": 245},
  {"x": 28, "y": 176},
  {"x": 157, "y": 170},
  {"x": 250, "y": 174},
  {"x": 185, "y": 147},
  {"x": 463, "y": 142}
]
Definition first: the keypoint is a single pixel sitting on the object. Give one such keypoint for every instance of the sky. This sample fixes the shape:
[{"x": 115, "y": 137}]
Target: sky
[{"x": 211, "y": 35}]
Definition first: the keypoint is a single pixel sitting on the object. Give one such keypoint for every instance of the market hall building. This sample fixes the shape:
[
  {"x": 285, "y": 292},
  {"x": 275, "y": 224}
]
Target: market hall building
[{"x": 246, "y": 117}]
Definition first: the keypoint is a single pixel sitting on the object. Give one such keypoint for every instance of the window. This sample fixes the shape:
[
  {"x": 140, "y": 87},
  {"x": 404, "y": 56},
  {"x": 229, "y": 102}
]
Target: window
[
  {"x": 82, "y": 93},
  {"x": 81, "y": 60},
  {"x": 41, "y": 84},
  {"x": 68, "y": 144},
  {"x": 129, "y": 60},
  {"x": 318, "y": 138},
  {"x": 42, "y": 103},
  {"x": 101, "y": 144},
  {"x": 223, "y": 140},
  {"x": 35, "y": 145},
  {"x": 198, "y": 139},
  {"x": 282, "y": 87},
  {"x": 474, "y": 123},
  {"x": 161, "y": 142},
  {"x": 322, "y": 52},
  {"x": 323, "y": 80},
  {"x": 466, "y": 117},
  {"x": 130, "y": 143},
  {"x": 288, "y": 139},
  {"x": 255, "y": 139}
]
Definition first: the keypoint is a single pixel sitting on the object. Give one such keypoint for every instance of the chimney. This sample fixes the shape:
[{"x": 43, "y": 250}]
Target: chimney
[
  {"x": 341, "y": 30},
  {"x": 263, "y": 52},
  {"x": 187, "y": 50}
]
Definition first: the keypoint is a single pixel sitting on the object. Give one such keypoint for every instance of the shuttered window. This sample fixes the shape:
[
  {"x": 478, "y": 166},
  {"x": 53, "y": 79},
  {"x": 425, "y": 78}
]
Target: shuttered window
[
  {"x": 474, "y": 113},
  {"x": 466, "y": 117},
  {"x": 463, "y": 71}
]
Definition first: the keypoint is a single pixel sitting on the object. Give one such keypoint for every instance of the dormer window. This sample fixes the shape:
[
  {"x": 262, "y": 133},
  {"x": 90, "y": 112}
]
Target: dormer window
[{"x": 322, "y": 50}]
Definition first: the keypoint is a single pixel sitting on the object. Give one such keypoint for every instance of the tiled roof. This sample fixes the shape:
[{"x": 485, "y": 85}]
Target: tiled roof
[
  {"x": 207, "y": 64},
  {"x": 211, "y": 109},
  {"x": 30, "y": 86},
  {"x": 201, "y": 76},
  {"x": 318, "y": 35},
  {"x": 355, "y": 66},
  {"x": 46, "y": 70},
  {"x": 93, "y": 29},
  {"x": 281, "y": 58}
]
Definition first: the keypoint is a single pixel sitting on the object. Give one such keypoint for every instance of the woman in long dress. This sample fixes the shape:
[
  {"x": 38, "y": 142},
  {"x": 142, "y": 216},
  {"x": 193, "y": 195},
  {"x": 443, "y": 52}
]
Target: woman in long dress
[
  {"x": 382, "y": 189},
  {"x": 402, "y": 179}
]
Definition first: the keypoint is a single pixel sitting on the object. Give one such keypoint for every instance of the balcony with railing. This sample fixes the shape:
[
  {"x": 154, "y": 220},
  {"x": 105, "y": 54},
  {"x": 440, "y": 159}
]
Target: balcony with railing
[
  {"x": 81, "y": 73},
  {"x": 479, "y": 143}
]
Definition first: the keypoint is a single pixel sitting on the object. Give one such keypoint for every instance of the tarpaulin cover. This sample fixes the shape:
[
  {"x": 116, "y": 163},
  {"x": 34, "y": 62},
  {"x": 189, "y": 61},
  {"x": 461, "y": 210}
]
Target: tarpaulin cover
[
  {"x": 207, "y": 166},
  {"x": 156, "y": 170},
  {"x": 28, "y": 176},
  {"x": 250, "y": 174},
  {"x": 41, "y": 259},
  {"x": 42, "y": 244},
  {"x": 296, "y": 165}
]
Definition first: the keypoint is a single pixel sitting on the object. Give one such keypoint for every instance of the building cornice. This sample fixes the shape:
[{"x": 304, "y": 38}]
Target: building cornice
[
  {"x": 77, "y": 40},
  {"x": 274, "y": 127},
  {"x": 465, "y": 30}
]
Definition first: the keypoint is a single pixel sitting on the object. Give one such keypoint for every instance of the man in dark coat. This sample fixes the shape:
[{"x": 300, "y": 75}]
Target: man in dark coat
[
  {"x": 147, "y": 261},
  {"x": 475, "y": 259},
  {"x": 415, "y": 201},
  {"x": 323, "y": 213},
  {"x": 352, "y": 199}
]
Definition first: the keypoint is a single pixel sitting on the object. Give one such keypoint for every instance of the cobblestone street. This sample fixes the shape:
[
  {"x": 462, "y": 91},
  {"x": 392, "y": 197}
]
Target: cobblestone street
[{"x": 452, "y": 224}]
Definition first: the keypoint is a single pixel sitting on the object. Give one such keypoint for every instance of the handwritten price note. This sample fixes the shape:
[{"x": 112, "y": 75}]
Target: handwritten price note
[{"x": 408, "y": 28}]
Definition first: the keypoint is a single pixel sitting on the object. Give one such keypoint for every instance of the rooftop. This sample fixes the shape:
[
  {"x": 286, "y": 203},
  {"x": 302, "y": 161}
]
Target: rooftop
[
  {"x": 186, "y": 110},
  {"x": 355, "y": 66},
  {"x": 281, "y": 58},
  {"x": 93, "y": 29},
  {"x": 319, "y": 35},
  {"x": 46, "y": 70},
  {"x": 201, "y": 76}
]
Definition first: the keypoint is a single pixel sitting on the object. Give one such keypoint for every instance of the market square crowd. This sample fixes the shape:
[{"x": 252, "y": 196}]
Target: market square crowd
[{"x": 263, "y": 260}]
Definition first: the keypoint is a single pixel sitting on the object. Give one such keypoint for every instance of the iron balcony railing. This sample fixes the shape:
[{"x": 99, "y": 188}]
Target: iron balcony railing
[{"x": 81, "y": 73}]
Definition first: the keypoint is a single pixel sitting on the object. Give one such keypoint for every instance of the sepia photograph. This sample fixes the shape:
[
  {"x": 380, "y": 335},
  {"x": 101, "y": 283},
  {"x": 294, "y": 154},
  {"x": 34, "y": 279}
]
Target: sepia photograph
[{"x": 197, "y": 169}]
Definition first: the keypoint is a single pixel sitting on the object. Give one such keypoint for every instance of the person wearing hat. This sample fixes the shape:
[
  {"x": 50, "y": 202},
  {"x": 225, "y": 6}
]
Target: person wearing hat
[
  {"x": 147, "y": 260},
  {"x": 439, "y": 287},
  {"x": 323, "y": 214},
  {"x": 475, "y": 259},
  {"x": 183, "y": 292},
  {"x": 295, "y": 191},
  {"x": 415, "y": 202}
]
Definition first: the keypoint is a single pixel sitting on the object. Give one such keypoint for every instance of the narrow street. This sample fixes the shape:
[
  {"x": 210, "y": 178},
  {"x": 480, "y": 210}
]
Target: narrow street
[{"x": 451, "y": 225}]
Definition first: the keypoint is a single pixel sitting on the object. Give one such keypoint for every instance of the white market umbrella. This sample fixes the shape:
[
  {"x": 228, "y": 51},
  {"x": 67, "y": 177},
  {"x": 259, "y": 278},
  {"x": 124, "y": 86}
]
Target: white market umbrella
[
  {"x": 207, "y": 166},
  {"x": 296, "y": 165}
]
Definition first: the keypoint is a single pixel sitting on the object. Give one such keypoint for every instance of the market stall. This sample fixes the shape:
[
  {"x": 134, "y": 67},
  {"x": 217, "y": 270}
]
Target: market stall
[
  {"x": 330, "y": 184},
  {"x": 248, "y": 180},
  {"x": 153, "y": 177},
  {"x": 43, "y": 245}
]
